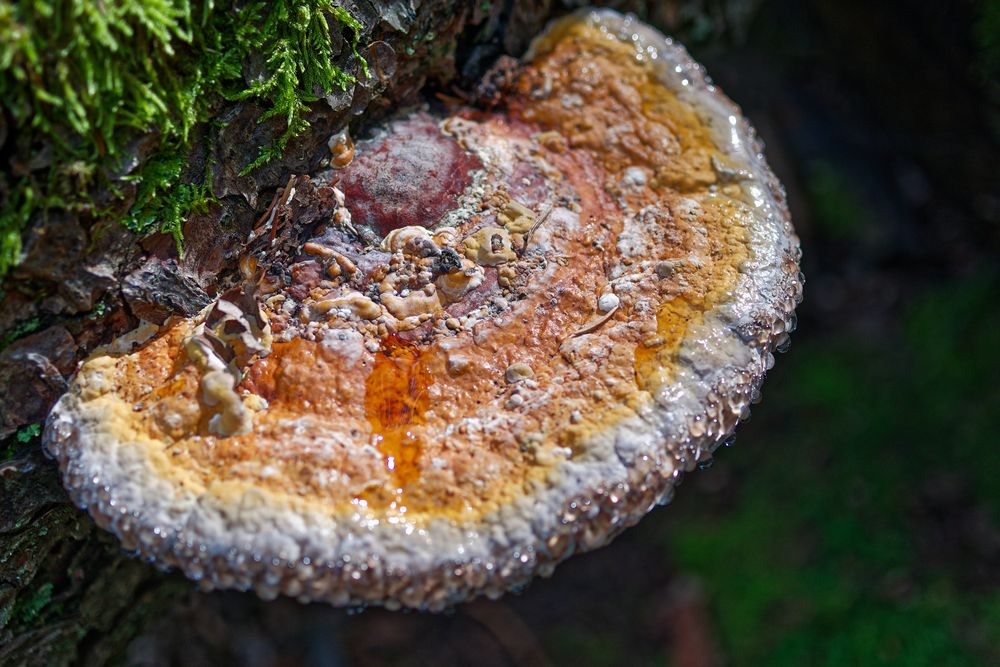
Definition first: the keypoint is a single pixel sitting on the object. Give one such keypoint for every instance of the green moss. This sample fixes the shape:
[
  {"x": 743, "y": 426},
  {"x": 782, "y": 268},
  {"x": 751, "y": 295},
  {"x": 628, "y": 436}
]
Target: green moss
[
  {"x": 21, "y": 329},
  {"x": 299, "y": 63},
  {"x": 13, "y": 443},
  {"x": 99, "y": 310},
  {"x": 28, "y": 433},
  {"x": 14, "y": 213},
  {"x": 29, "y": 609},
  {"x": 90, "y": 76},
  {"x": 164, "y": 200}
]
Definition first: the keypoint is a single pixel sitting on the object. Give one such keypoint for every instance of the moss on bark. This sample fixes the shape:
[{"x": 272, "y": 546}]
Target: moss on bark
[{"x": 86, "y": 78}]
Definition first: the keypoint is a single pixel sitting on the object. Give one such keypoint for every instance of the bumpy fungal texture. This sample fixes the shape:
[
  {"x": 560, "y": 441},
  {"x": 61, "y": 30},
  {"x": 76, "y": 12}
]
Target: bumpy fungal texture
[{"x": 410, "y": 406}]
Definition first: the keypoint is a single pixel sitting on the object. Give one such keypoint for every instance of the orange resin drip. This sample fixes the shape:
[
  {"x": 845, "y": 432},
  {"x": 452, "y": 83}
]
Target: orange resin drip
[{"x": 396, "y": 399}]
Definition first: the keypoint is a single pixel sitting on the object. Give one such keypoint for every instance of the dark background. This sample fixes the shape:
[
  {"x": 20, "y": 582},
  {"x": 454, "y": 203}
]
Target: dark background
[{"x": 856, "y": 521}]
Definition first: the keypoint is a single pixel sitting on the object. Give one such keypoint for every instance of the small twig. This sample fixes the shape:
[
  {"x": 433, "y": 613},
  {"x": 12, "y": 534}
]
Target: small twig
[
  {"x": 538, "y": 223},
  {"x": 457, "y": 96},
  {"x": 593, "y": 325},
  {"x": 265, "y": 220},
  {"x": 17, "y": 465},
  {"x": 286, "y": 195}
]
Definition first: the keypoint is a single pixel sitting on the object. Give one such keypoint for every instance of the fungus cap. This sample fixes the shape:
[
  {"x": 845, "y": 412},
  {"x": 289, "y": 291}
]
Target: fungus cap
[{"x": 438, "y": 386}]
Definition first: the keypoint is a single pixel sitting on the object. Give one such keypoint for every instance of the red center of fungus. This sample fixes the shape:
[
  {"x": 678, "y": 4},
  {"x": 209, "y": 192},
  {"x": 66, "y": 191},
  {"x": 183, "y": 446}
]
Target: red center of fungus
[{"x": 412, "y": 175}]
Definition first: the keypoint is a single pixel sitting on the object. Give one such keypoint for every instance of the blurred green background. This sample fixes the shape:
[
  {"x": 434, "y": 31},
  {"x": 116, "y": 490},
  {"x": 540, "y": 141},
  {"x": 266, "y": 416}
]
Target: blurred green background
[{"x": 856, "y": 521}]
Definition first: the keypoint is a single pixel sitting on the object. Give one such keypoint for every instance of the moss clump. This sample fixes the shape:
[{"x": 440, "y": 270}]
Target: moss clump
[
  {"x": 28, "y": 433},
  {"x": 164, "y": 200},
  {"x": 28, "y": 610},
  {"x": 21, "y": 329},
  {"x": 18, "y": 204},
  {"x": 87, "y": 77},
  {"x": 299, "y": 64},
  {"x": 21, "y": 437}
]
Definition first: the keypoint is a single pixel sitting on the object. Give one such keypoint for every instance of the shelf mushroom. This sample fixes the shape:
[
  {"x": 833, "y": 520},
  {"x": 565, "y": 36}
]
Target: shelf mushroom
[{"x": 488, "y": 340}]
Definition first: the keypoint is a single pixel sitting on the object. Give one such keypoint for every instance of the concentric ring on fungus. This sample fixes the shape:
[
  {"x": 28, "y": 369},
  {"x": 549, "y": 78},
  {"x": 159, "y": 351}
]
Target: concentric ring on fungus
[{"x": 494, "y": 339}]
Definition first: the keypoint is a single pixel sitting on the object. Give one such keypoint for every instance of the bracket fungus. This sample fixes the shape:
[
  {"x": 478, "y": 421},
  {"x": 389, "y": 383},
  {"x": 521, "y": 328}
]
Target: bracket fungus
[{"x": 489, "y": 338}]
